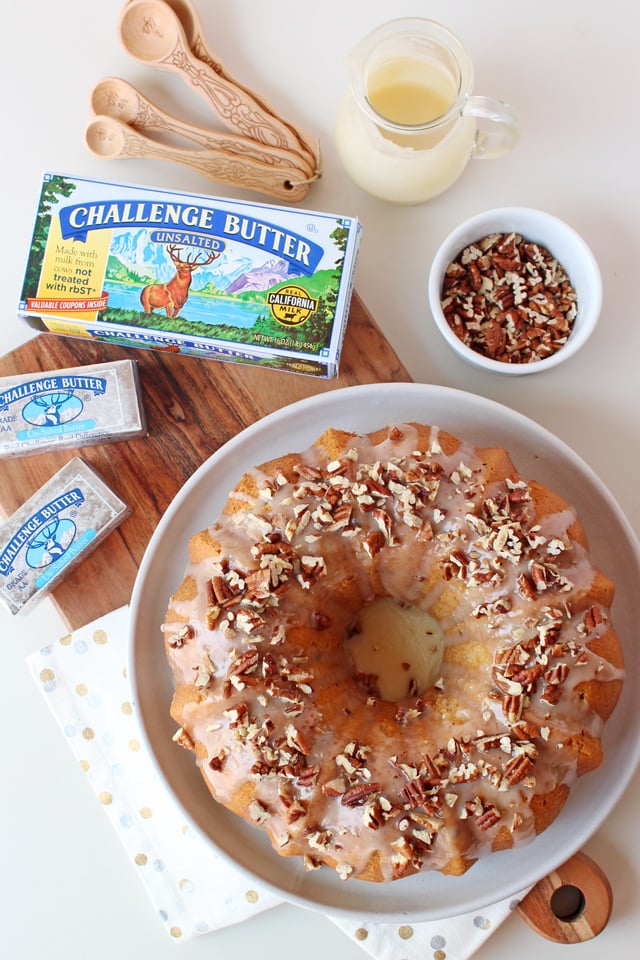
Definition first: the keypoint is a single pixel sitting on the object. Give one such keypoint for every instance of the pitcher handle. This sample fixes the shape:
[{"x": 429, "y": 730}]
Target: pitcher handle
[{"x": 498, "y": 127}]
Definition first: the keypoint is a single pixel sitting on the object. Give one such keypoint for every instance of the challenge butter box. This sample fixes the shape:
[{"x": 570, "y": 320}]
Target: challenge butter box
[{"x": 198, "y": 275}]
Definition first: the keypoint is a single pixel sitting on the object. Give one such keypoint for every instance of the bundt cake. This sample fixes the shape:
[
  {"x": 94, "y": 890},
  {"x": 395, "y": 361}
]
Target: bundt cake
[{"x": 393, "y": 653}]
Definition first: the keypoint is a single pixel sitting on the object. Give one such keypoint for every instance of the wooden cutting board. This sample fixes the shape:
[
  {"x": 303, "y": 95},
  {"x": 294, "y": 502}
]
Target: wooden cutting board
[{"x": 193, "y": 406}]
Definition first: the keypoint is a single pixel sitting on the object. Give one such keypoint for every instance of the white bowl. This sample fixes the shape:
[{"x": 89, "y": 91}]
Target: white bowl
[{"x": 562, "y": 241}]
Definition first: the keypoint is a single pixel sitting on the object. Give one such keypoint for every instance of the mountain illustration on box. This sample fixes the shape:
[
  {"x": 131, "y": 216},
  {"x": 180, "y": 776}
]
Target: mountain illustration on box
[
  {"x": 236, "y": 295},
  {"x": 133, "y": 255}
]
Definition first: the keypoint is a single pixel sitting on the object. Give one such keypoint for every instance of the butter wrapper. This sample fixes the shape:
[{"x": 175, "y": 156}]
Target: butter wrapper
[
  {"x": 75, "y": 407},
  {"x": 50, "y": 534}
]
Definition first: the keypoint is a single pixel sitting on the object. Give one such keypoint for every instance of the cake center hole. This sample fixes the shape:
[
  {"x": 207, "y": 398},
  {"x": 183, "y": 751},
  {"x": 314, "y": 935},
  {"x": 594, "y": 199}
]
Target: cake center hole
[{"x": 395, "y": 651}]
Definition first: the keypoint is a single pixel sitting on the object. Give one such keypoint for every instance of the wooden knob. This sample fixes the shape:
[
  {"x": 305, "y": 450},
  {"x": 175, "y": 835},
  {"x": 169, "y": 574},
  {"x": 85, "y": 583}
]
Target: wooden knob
[{"x": 571, "y": 904}]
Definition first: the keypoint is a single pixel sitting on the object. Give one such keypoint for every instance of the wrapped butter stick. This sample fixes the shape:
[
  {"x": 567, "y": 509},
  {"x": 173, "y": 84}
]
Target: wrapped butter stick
[
  {"x": 53, "y": 531},
  {"x": 75, "y": 407}
]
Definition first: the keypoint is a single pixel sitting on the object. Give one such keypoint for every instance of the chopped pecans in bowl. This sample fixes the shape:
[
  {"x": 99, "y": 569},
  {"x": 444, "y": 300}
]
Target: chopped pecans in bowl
[{"x": 509, "y": 299}]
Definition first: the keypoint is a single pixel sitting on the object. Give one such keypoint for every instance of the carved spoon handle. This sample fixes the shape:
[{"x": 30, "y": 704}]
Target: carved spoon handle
[{"x": 110, "y": 139}]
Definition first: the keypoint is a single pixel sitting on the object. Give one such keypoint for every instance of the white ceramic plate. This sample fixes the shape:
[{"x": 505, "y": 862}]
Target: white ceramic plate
[{"x": 538, "y": 455}]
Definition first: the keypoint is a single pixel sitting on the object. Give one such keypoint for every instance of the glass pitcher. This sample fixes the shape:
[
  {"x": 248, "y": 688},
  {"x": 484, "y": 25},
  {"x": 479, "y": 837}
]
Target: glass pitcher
[{"x": 408, "y": 124}]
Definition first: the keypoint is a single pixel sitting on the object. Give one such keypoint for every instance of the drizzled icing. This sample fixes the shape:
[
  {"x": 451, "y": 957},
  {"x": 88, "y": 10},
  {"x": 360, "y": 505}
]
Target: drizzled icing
[{"x": 287, "y": 736}]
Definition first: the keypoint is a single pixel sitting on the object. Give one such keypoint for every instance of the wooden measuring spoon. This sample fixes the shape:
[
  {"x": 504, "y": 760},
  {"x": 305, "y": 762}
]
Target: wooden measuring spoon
[
  {"x": 571, "y": 904},
  {"x": 117, "y": 98},
  {"x": 194, "y": 32},
  {"x": 151, "y": 33},
  {"x": 109, "y": 138}
]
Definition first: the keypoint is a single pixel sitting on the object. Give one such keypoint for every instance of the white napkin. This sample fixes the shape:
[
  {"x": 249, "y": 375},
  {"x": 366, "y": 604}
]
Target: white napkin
[{"x": 83, "y": 677}]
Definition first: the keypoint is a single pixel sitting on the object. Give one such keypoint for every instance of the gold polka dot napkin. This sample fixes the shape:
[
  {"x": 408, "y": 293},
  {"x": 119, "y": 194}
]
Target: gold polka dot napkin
[{"x": 83, "y": 677}]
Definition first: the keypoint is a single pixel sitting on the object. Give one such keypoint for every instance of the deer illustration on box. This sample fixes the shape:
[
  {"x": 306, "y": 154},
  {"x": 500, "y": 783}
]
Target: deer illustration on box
[{"x": 172, "y": 296}]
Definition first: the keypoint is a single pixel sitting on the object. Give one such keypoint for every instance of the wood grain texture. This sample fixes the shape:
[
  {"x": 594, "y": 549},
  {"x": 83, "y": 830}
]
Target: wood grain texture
[
  {"x": 578, "y": 875},
  {"x": 193, "y": 406}
]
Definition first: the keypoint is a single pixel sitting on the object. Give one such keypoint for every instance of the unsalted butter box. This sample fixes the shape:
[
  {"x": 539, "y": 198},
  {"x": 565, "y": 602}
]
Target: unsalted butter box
[{"x": 193, "y": 274}]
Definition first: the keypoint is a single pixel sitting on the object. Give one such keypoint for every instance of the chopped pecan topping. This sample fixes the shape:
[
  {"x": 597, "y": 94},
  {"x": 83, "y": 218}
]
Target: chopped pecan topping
[
  {"x": 488, "y": 818},
  {"x": 245, "y": 663},
  {"x": 297, "y": 740},
  {"x": 217, "y": 763},
  {"x": 527, "y": 587},
  {"x": 384, "y": 522},
  {"x": 181, "y": 636},
  {"x": 513, "y": 707},
  {"x": 418, "y": 791},
  {"x": 360, "y": 793},
  {"x": 557, "y": 674},
  {"x": 308, "y": 777},
  {"x": 374, "y": 542},
  {"x": 222, "y": 592},
  {"x": 455, "y": 566},
  {"x": 551, "y": 694},
  {"x": 257, "y": 812},
  {"x": 335, "y": 787},
  {"x": 318, "y": 839},
  {"x": 525, "y": 730},
  {"x": 296, "y": 810},
  {"x": 182, "y": 738},
  {"x": 517, "y": 768},
  {"x": 513, "y": 306},
  {"x": 308, "y": 472},
  {"x": 373, "y": 815},
  {"x": 593, "y": 618}
]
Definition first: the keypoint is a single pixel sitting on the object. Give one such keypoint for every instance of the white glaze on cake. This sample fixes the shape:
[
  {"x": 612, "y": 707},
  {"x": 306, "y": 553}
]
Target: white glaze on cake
[{"x": 286, "y": 736}]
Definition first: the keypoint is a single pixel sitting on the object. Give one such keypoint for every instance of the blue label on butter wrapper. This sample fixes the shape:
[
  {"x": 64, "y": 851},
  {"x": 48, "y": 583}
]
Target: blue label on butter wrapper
[
  {"x": 44, "y": 535},
  {"x": 69, "y": 553},
  {"x": 67, "y": 408},
  {"x": 51, "y": 533}
]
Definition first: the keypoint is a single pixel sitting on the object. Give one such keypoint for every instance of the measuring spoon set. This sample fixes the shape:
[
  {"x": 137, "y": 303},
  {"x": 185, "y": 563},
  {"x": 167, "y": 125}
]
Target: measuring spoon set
[{"x": 259, "y": 150}]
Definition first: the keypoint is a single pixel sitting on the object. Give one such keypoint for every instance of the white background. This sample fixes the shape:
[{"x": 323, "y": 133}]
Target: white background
[{"x": 571, "y": 70}]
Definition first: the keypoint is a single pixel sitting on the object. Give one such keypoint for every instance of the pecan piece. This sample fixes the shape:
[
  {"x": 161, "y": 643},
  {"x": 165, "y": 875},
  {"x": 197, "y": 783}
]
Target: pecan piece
[
  {"x": 418, "y": 791},
  {"x": 517, "y": 768},
  {"x": 222, "y": 592},
  {"x": 183, "y": 739},
  {"x": 374, "y": 542},
  {"x": 557, "y": 674},
  {"x": 527, "y": 587},
  {"x": 592, "y": 618},
  {"x": 359, "y": 794},
  {"x": 246, "y": 662},
  {"x": 181, "y": 636},
  {"x": 297, "y": 740},
  {"x": 308, "y": 777},
  {"x": 513, "y": 707},
  {"x": 488, "y": 818},
  {"x": 218, "y": 762},
  {"x": 334, "y": 788}
]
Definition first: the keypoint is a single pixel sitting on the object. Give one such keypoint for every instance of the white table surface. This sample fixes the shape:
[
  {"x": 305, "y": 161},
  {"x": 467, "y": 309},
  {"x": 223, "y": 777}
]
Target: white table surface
[{"x": 571, "y": 70}]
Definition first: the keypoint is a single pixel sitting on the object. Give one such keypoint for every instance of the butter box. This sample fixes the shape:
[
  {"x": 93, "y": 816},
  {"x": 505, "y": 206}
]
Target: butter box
[
  {"x": 192, "y": 274},
  {"x": 53, "y": 531},
  {"x": 75, "y": 407}
]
